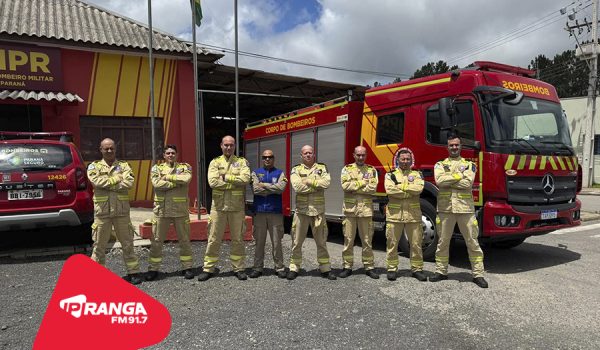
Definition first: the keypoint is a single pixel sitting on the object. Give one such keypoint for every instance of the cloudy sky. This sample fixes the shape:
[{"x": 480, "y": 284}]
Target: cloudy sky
[{"x": 384, "y": 38}]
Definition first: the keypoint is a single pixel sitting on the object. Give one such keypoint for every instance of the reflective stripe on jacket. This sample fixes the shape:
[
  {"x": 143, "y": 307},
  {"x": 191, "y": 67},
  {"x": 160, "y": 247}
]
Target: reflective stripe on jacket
[
  {"x": 454, "y": 177},
  {"x": 358, "y": 183},
  {"x": 171, "y": 193},
  {"x": 228, "y": 177},
  {"x": 403, "y": 188},
  {"x": 310, "y": 194},
  {"x": 111, "y": 186}
]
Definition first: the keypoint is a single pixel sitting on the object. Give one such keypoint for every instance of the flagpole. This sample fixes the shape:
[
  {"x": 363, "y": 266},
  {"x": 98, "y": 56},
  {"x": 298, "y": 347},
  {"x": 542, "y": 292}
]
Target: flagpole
[
  {"x": 237, "y": 87},
  {"x": 151, "y": 70},
  {"x": 199, "y": 121}
]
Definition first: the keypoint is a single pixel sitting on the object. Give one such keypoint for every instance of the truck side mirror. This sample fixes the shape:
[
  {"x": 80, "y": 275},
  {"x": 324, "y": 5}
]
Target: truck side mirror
[{"x": 446, "y": 108}]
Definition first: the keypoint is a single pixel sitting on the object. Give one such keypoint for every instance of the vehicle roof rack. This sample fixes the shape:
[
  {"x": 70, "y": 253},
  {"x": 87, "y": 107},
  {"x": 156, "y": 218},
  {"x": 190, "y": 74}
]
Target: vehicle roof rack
[
  {"x": 62, "y": 136},
  {"x": 499, "y": 67}
]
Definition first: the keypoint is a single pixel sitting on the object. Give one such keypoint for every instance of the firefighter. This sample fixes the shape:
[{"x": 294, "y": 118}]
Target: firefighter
[
  {"x": 268, "y": 183},
  {"x": 359, "y": 182},
  {"x": 112, "y": 179},
  {"x": 403, "y": 186},
  {"x": 310, "y": 180},
  {"x": 454, "y": 177},
  {"x": 171, "y": 181},
  {"x": 228, "y": 176}
]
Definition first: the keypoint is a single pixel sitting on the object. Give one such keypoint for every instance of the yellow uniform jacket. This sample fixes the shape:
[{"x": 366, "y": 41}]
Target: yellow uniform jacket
[
  {"x": 454, "y": 177},
  {"x": 359, "y": 183},
  {"x": 310, "y": 196},
  {"x": 228, "y": 178},
  {"x": 404, "y": 188},
  {"x": 171, "y": 194},
  {"x": 111, "y": 186}
]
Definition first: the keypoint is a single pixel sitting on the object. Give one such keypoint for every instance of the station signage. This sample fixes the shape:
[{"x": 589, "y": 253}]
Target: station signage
[{"x": 30, "y": 68}]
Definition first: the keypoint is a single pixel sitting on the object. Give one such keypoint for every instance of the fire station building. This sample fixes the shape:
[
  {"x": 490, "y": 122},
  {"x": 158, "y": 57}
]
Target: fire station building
[{"x": 68, "y": 66}]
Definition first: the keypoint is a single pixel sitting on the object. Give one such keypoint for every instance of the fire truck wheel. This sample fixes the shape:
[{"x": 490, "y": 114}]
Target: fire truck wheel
[
  {"x": 508, "y": 244},
  {"x": 430, "y": 237}
]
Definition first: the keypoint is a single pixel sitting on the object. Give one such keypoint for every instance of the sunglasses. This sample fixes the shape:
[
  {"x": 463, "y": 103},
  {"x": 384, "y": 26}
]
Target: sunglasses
[{"x": 267, "y": 157}]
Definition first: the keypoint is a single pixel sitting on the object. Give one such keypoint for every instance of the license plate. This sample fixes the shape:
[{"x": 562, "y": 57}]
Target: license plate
[
  {"x": 376, "y": 206},
  {"x": 549, "y": 214},
  {"x": 25, "y": 194}
]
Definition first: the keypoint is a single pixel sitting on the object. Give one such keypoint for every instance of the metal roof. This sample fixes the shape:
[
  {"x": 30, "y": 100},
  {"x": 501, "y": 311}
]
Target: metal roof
[
  {"x": 264, "y": 94},
  {"x": 33, "y": 95},
  {"x": 76, "y": 20}
]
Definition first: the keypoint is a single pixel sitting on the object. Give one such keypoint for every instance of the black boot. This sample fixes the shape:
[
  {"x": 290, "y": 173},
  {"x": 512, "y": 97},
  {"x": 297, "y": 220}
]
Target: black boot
[
  {"x": 204, "y": 276},
  {"x": 151, "y": 275},
  {"x": 291, "y": 275},
  {"x": 254, "y": 274},
  {"x": 480, "y": 281},
  {"x": 188, "y": 274},
  {"x": 329, "y": 275},
  {"x": 391, "y": 275},
  {"x": 419, "y": 275},
  {"x": 241, "y": 275},
  {"x": 371, "y": 273},
  {"x": 345, "y": 273},
  {"x": 437, "y": 277},
  {"x": 281, "y": 274},
  {"x": 133, "y": 278}
]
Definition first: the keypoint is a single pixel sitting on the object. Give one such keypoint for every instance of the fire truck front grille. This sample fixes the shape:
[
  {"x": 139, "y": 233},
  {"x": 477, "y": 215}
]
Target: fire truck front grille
[{"x": 537, "y": 190}]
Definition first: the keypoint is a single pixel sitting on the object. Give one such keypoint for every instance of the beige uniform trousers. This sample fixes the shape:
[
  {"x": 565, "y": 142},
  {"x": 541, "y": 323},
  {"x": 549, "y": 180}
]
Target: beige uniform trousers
[
  {"x": 365, "y": 232},
  {"x": 469, "y": 229},
  {"x": 318, "y": 227},
  {"x": 159, "y": 234},
  {"x": 101, "y": 232},
  {"x": 216, "y": 229},
  {"x": 273, "y": 223},
  {"x": 414, "y": 232}
]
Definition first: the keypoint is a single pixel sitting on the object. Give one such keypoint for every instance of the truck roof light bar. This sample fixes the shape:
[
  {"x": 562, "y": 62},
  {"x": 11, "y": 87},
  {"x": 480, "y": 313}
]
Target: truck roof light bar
[{"x": 499, "y": 67}]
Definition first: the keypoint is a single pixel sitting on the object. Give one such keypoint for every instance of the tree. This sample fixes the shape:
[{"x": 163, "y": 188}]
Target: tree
[
  {"x": 433, "y": 68},
  {"x": 566, "y": 72}
]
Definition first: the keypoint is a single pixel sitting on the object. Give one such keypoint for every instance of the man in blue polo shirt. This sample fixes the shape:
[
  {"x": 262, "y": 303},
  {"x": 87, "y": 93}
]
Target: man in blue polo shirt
[{"x": 268, "y": 183}]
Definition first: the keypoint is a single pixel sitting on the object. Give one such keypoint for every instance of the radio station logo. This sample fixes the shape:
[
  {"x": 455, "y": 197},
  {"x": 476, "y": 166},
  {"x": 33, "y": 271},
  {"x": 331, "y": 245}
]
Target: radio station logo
[{"x": 121, "y": 313}]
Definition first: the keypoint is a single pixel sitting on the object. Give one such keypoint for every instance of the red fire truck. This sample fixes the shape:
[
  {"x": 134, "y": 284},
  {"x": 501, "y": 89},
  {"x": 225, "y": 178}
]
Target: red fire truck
[{"x": 511, "y": 125}]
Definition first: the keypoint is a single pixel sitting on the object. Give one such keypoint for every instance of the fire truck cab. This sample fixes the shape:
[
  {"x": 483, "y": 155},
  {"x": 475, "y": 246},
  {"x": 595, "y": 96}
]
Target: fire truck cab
[{"x": 511, "y": 126}]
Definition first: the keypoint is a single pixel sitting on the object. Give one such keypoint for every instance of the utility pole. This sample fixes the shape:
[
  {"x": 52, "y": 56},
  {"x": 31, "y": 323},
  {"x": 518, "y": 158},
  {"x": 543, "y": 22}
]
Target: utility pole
[{"x": 589, "y": 52}]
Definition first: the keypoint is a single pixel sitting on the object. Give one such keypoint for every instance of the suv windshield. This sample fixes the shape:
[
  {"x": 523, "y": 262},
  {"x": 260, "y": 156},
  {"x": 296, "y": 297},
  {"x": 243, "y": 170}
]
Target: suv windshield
[
  {"x": 20, "y": 157},
  {"x": 533, "y": 126}
]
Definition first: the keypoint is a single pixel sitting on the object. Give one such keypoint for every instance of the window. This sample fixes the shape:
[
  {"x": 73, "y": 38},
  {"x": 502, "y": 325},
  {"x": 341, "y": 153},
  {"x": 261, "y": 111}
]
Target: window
[
  {"x": 20, "y": 156},
  {"x": 465, "y": 124},
  {"x": 597, "y": 145},
  {"x": 390, "y": 129},
  {"x": 132, "y": 136}
]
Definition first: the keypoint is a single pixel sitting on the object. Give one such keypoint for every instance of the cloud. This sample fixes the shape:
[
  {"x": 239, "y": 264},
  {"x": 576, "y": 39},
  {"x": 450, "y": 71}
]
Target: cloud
[{"x": 390, "y": 36}]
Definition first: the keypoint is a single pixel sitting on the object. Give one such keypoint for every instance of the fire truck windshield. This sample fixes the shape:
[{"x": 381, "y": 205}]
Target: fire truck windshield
[{"x": 533, "y": 127}]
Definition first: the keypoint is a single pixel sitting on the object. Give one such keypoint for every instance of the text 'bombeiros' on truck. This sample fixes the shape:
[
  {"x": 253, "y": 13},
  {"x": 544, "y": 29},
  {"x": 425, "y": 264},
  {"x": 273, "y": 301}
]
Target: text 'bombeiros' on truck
[{"x": 511, "y": 125}]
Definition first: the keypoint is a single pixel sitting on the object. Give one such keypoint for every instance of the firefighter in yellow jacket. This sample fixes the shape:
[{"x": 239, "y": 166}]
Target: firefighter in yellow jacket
[
  {"x": 403, "y": 212},
  {"x": 228, "y": 176},
  {"x": 112, "y": 179},
  {"x": 454, "y": 177},
  {"x": 171, "y": 181},
  {"x": 359, "y": 182},
  {"x": 309, "y": 180}
]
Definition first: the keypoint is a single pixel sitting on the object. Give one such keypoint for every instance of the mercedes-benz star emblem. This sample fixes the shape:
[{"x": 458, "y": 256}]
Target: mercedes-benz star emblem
[
  {"x": 548, "y": 184},
  {"x": 24, "y": 177}
]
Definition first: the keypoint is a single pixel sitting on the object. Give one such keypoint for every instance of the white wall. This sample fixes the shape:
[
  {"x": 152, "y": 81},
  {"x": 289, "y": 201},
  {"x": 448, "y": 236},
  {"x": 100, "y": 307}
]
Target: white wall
[{"x": 576, "y": 109}]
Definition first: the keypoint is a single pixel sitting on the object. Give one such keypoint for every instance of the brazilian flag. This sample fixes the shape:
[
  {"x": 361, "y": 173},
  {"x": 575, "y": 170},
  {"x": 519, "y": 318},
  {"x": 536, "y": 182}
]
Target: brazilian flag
[{"x": 198, "y": 13}]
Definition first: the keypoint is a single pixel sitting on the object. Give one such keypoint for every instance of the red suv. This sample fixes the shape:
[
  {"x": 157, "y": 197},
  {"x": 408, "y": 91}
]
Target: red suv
[{"x": 43, "y": 182}]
